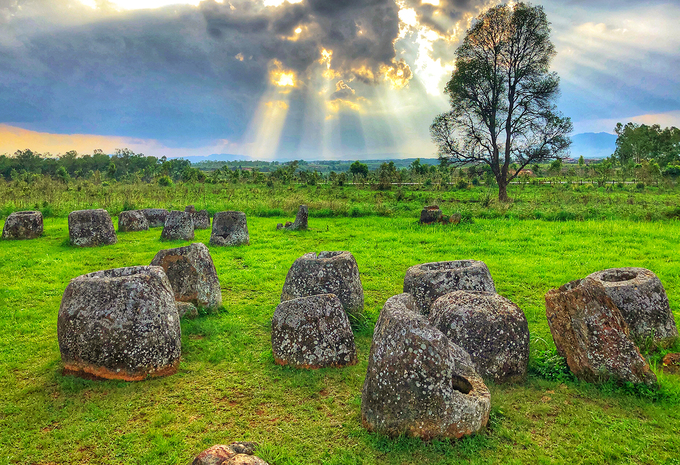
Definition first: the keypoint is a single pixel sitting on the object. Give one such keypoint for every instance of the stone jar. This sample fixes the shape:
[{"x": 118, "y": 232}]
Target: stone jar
[
  {"x": 23, "y": 225},
  {"x": 119, "y": 324},
  {"x": 229, "y": 229},
  {"x": 89, "y": 228}
]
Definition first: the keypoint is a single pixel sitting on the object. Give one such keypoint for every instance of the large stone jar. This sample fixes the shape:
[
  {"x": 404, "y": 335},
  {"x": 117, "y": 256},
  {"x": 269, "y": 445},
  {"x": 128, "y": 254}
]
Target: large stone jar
[
  {"x": 178, "y": 226},
  {"x": 429, "y": 281},
  {"x": 119, "y": 324},
  {"x": 230, "y": 229},
  {"x": 88, "y": 228},
  {"x": 327, "y": 273},
  {"x": 23, "y": 225}
]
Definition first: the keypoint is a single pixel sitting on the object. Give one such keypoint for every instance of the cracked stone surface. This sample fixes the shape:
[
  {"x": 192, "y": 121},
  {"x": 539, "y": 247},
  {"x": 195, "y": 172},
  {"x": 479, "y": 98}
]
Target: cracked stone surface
[
  {"x": 90, "y": 228},
  {"x": 230, "y": 229},
  {"x": 429, "y": 281},
  {"x": 489, "y": 327},
  {"x": 237, "y": 453},
  {"x": 156, "y": 216},
  {"x": 132, "y": 220},
  {"x": 119, "y": 324},
  {"x": 178, "y": 226},
  {"x": 327, "y": 273},
  {"x": 642, "y": 300},
  {"x": 313, "y": 332},
  {"x": 23, "y": 225},
  {"x": 192, "y": 275},
  {"x": 418, "y": 382},
  {"x": 590, "y": 332}
]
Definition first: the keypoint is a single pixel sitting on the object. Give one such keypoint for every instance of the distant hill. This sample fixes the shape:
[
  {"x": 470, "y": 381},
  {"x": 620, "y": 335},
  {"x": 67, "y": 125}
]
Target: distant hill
[
  {"x": 217, "y": 157},
  {"x": 593, "y": 145}
]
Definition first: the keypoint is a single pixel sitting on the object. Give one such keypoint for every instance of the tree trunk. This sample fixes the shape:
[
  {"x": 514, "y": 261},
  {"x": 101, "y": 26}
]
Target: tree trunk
[{"x": 502, "y": 192}]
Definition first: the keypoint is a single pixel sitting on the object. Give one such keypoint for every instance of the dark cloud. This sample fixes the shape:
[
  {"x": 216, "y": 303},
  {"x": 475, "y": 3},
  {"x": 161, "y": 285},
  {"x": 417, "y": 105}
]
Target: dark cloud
[{"x": 342, "y": 91}]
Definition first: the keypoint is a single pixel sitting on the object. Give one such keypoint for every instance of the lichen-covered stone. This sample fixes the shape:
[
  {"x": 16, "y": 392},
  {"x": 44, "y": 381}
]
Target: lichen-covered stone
[
  {"x": 301, "y": 219},
  {"x": 132, "y": 220},
  {"x": 430, "y": 214},
  {"x": 201, "y": 219},
  {"x": 237, "y": 453},
  {"x": 642, "y": 300},
  {"x": 229, "y": 229},
  {"x": 489, "y": 327},
  {"x": 419, "y": 383},
  {"x": 313, "y": 332},
  {"x": 429, "y": 281},
  {"x": 119, "y": 324},
  {"x": 89, "y": 228},
  {"x": 156, "y": 216},
  {"x": 23, "y": 225},
  {"x": 328, "y": 273},
  {"x": 591, "y": 334},
  {"x": 186, "y": 310},
  {"x": 192, "y": 275},
  {"x": 178, "y": 226}
]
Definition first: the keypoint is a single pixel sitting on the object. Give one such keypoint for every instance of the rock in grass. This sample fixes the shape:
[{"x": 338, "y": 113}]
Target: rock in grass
[
  {"x": 430, "y": 214},
  {"x": 642, "y": 300},
  {"x": 186, "y": 310},
  {"x": 237, "y": 453},
  {"x": 313, "y": 332},
  {"x": 590, "y": 332},
  {"x": 178, "y": 226},
  {"x": 23, "y": 225},
  {"x": 89, "y": 228},
  {"x": 419, "y": 383},
  {"x": 328, "y": 273},
  {"x": 229, "y": 229},
  {"x": 192, "y": 275},
  {"x": 429, "y": 281},
  {"x": 671, "y": 363},
  {"x": 489, "y": 327},
  {"x": 300, "y": 223},
  {"x": 132, "y": 220},
  {"x": 119, "y": 324},
  {"x": 156, "y": 216}
]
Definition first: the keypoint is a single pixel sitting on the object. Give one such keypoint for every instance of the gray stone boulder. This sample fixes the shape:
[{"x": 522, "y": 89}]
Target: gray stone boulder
[
  {"x": 119, "y": 324},
  {"x": 237, "y": 453},
  {"x": 328, "y": 273},
  {"x": 90, "y": 228},
  {"x": 642, "y": 300},
  {"x": 418, "y": 382},
  {"x": 430, "y": 214},
  {"x": 313, "y": 332},
  {"x": 300, "y": 223},
  {"x": 192, "y": 275},
  {"x": 178, "y": 226},
  {"x": 429, "y": 281},
  {"x": 132, "y": 220},
  {"x": 591, "y": 334},
  {"x": 489, "y": 327},
  {"x": 186, "y": 310},
  {"x": 156, "y": 216},
  {"x": 201, "y": 219},
  {"x": 230, "y": 228},
  {"x": 23, "y": 225}
]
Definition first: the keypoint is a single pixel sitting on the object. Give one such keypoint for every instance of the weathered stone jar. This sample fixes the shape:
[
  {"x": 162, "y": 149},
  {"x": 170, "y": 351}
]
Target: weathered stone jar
[
  {"x": 89, "y": 228},
  {"x": 229, "y": 229},
  {"x": 642, "y": 300},
  {"x": 313, "y": 332},
  {"x": 430, "y": 214},
  {"x": 429, "y": 281},
  {"x": 419, "y": 383},
  {"x": 156, "y": 216},
  {"x": 300, "y": 223},
  {"x": 132, "y": 220},
  {"x": 192, "y": 275},
  {"x": 178, "y": 226},
  {"x": 328, "y": 273},
  {"x": 591, "y": 334},
  {"x": 201, "y": 218},
  {"x": 119, "y": 324},
  {"x": 489, "y": 327},
  {"x": 23, "y": 225}
]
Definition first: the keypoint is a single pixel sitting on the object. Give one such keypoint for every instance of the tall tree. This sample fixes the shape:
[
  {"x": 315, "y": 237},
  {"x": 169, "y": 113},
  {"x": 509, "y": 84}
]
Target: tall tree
[
  {"x": 502, "y": 96},
  {"x": 638, "y": 142}
]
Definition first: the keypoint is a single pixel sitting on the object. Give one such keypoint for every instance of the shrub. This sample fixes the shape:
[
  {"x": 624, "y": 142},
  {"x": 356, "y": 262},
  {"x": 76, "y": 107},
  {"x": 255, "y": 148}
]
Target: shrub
[
  {"x": 165, "y": 181},
  {"x": 550, "y": 365},
  {"x": 640, "y": 185}
]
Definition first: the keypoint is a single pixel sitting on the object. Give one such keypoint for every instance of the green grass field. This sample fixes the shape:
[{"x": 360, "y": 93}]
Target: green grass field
[{"x": 229, "y": 389}]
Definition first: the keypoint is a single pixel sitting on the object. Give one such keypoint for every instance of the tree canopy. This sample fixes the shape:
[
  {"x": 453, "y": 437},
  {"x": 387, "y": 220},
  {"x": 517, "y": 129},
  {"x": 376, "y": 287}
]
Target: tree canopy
[
  {"x": 502, "y": 96},
  {"x": 638, "y": 142}
]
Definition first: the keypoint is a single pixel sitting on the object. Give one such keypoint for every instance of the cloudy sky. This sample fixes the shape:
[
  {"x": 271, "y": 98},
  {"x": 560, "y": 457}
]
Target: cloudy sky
[{"x": 313, "y": 79}]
